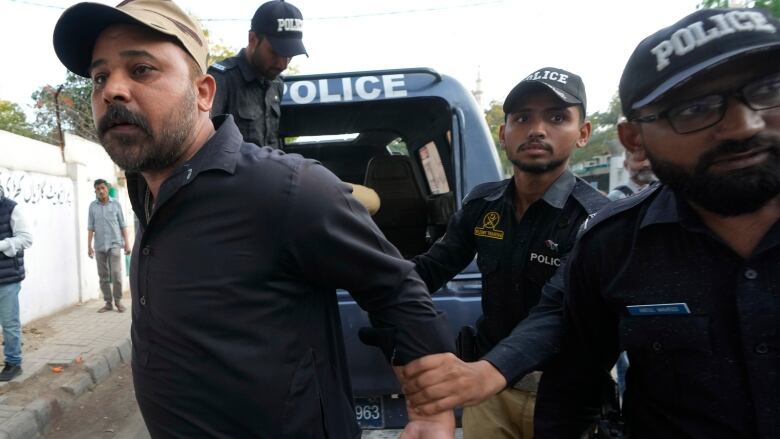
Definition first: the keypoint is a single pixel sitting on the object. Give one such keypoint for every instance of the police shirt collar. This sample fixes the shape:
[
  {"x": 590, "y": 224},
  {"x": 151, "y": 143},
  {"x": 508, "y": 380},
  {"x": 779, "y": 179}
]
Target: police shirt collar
[
  {"x": 221, "y": 150},
  {"x": 668, "y": 208},
  {"x": 246, "y": 69},
  {"x": 557, "y": 194},
  {"x": 500, "y": 190}
]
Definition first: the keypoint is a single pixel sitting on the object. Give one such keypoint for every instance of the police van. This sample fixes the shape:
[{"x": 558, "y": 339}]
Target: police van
[{"x": 418, "y": 139}]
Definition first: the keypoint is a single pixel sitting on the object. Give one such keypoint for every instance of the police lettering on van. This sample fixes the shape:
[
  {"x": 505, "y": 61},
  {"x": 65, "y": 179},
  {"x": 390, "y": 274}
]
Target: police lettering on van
[{"x": 328, "y": 90}]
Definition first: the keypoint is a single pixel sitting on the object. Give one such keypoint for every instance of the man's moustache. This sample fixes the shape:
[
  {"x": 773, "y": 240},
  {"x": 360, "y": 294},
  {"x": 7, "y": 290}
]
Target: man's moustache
[
  {"x": 737, "y": 147},
  {"x": 119, "y": 115}
]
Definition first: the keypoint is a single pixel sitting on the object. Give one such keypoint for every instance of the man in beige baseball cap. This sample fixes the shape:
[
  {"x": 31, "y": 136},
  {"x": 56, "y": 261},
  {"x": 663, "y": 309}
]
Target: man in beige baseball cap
[
  {"x": 79, "y": 28},
  {"x": 239, "y": 250}
]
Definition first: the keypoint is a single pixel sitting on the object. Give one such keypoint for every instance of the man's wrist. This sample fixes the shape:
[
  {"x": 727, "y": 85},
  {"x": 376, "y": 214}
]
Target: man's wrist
[{"x": 493, "y": 378}]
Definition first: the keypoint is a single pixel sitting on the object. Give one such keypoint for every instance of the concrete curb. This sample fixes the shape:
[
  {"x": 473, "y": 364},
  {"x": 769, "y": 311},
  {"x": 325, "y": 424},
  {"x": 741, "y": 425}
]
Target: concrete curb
[{"x": 33, "y": 420}]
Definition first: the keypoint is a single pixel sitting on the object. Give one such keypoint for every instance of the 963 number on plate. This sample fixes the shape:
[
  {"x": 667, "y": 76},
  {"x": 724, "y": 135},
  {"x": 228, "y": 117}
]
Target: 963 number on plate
[{"x": 369, "y": 413}]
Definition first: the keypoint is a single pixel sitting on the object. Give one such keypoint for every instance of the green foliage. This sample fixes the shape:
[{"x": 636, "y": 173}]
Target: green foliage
[
  {"x": 495, "y": 117},
  {"x": 773, "y": 6},
  {"x": 217, "y": 50},
  {"x": 75, "y": 109},
  {"x": 12, "y": 119},
  {"x": 604, "y": 133}
]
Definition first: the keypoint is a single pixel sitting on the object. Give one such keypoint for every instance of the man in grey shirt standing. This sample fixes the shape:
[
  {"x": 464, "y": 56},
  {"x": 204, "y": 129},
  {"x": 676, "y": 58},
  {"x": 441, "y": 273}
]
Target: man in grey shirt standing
[{"x": 107, "y": 225}]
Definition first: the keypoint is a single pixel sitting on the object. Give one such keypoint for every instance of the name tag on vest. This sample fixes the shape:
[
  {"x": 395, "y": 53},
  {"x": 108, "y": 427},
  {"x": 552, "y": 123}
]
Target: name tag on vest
[{"x": 660, "y": 309}]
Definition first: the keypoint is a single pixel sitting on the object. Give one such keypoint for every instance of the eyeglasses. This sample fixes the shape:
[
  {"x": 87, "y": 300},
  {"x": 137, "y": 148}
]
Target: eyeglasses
[{"x": 706, "y": 111}]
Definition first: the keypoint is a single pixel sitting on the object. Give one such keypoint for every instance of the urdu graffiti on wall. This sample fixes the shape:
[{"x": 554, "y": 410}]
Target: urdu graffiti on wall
[{"x": 32, "y": 188}]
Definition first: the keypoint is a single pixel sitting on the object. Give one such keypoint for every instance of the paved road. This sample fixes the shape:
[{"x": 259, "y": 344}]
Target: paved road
[{"x": 110, "y": 411}]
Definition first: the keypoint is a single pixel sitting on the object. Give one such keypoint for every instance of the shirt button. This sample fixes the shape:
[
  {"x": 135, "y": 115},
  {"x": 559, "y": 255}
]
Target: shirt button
[
  {"x": 751, "y": 274},
  {"x": 142, "y": 301},
  {"x": 761, "y": 348},
  {"x": 657, "y": 346},
  {"x": 146, "y": 251}
]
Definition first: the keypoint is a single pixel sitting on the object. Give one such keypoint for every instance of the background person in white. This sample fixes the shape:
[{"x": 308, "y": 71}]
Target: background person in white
[
  {"x": 14, "y": 238},
  {"x": 640, "y": 175},
  {"x": 106, "y": 225}
]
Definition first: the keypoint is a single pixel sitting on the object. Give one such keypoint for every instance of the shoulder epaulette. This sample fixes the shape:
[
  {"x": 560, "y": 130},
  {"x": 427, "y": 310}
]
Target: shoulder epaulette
[
  {"x": 616, "y": 207},
  {"x": 485, "y": 190},
  {"x": 589, "y": 197},
  {"x": 224, "y": 65}
]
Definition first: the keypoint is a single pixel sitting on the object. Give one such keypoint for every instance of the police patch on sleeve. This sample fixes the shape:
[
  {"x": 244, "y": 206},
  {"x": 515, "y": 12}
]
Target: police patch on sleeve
[{"x": 218, "y": 66}]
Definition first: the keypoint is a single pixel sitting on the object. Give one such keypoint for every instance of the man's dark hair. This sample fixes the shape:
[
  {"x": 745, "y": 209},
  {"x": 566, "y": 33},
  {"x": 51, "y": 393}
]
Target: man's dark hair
[{"x": 100, "y": 181}]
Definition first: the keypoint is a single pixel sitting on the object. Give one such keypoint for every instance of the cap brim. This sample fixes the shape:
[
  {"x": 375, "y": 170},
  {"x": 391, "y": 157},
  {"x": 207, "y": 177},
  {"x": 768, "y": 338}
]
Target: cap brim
[
  {"x": 524, "y": 86},
  {"x": 77, "y": 30},
  {"x": 685, "y": 75},
  {"x": 287, "y": 47}
]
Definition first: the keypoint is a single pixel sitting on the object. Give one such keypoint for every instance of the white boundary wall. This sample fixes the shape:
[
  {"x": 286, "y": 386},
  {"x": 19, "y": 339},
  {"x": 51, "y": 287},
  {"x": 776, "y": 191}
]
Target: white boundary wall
[{"x": 55, "y": 193}]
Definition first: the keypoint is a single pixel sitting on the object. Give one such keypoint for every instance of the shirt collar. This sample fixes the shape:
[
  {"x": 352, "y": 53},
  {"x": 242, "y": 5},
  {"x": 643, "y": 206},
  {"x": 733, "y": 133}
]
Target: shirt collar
[
  {"x": 557, "y": 194},
  {"x": 663, "y": 209},
  {"x": 220, "y": 152},
  {"x": 247, "y": 71},
  {"x": 667, "y": 208}
]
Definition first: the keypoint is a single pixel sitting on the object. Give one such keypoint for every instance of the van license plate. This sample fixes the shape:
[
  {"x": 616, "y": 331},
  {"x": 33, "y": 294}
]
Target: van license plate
[{"x": 369, "y": 413}]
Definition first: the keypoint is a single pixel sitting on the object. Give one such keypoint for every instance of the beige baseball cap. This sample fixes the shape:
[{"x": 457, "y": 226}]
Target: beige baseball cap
[{"x": 80, "y": 25}]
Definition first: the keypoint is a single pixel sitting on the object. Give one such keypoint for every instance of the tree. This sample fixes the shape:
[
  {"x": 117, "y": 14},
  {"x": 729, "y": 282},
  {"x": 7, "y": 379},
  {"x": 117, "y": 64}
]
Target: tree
[
  {"x": 603, "y": 139},
  {"x": 71, "y": 103},
  {"x": 494, "y": 116},
  {"x": 773, "y": 6},
  {"x": 12, "y": 119},
  {"x": 217, "y": 50}
]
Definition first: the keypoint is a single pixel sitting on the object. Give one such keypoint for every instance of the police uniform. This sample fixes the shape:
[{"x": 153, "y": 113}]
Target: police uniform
[
  {"x": 515, "y": 258},
  {"x": 699, "y": 323},
  {"x": 253, "y": 102}
]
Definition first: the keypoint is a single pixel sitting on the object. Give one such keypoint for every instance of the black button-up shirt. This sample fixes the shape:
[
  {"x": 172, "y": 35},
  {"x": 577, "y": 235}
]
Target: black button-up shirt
[
  {"x": 515, "y": 257},
  {"x": 236, "y": 330},
  {"x": 253, "y": 102},
  {"x": 707, "y": 367}
]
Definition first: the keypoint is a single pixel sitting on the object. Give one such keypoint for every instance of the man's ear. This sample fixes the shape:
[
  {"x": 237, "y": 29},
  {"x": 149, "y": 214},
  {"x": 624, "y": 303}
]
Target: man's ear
[
  {"x": 585, "y": 131},
  {"x": 501, "y": 136},
  {"x": 630, "y": 135},
  {"x": 251, "y": 39},
  {"x": 206, "y": 88}
]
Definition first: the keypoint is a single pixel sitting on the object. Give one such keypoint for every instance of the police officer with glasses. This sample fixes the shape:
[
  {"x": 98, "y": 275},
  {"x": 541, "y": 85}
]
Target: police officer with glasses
[{"x": 702, "y": 99}]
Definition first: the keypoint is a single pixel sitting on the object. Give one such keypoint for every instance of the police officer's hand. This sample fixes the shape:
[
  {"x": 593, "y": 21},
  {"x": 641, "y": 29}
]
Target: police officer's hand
[
  {"x": 441, "y": 382},
  {"x": 441, "y": 426}
]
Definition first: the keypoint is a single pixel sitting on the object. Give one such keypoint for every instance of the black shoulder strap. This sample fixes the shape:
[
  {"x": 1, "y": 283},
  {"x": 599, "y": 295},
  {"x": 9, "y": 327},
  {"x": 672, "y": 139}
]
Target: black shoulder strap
[
  {"x": 589, "y": 197},
  {"x": 625, "y": 189},
  {"x": 223, "y": 66},
  {"x": 617, "y": 206},
  {"x": 486, "y": 189}
]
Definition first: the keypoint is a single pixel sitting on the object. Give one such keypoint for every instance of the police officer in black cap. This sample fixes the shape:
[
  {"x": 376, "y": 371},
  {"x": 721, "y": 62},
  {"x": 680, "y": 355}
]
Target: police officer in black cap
[
  {"x": 248, "y": 84},
  {"x": 684, "y": 276},
  {"x": 520, "y": 229}
]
